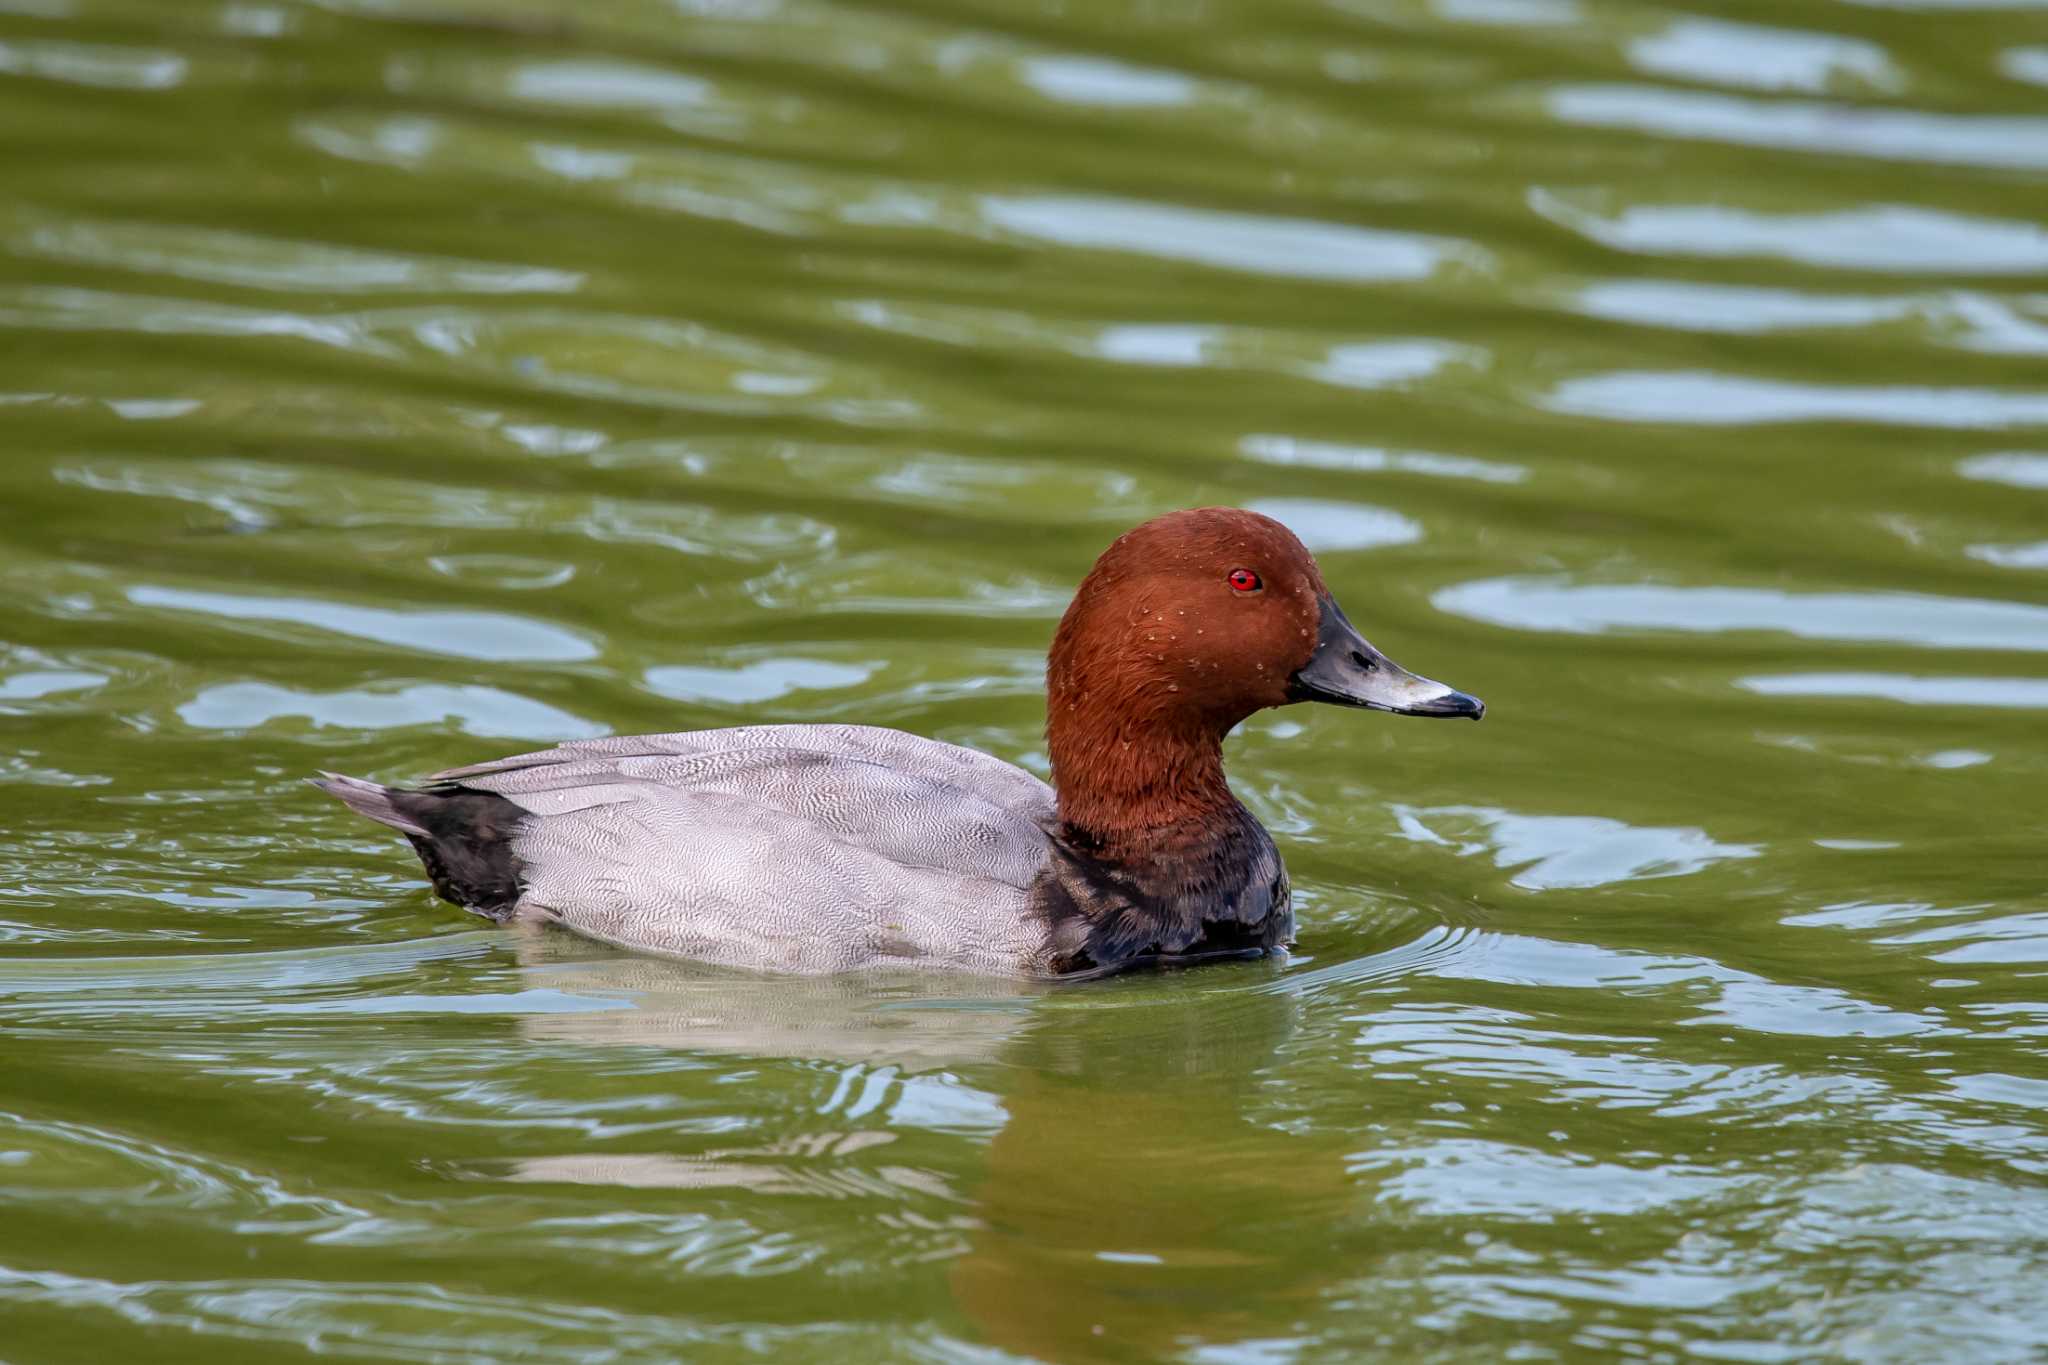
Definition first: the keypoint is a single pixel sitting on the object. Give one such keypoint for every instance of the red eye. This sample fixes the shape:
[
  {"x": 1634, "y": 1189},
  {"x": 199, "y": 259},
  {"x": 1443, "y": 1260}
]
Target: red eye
[{"x": 1244, "y": 580}]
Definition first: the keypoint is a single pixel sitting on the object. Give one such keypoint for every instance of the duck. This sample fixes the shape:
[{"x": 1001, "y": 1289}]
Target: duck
[{"x": 822, "y": 848}]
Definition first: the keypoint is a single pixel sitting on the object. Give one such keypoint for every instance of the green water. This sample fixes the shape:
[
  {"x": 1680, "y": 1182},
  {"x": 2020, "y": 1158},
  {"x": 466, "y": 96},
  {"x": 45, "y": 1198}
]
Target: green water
[{"x": 386, "y": 386}]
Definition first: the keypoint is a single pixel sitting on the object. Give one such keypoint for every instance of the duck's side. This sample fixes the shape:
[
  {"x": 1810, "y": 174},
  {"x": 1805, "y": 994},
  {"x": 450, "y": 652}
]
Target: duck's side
[
  {"x": 817, "y": 848},
  {"x": 799, "y": 848}
]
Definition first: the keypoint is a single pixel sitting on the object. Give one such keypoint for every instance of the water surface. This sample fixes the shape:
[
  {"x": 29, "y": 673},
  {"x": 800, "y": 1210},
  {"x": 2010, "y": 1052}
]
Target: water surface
[{"x": 387, "y": 387}]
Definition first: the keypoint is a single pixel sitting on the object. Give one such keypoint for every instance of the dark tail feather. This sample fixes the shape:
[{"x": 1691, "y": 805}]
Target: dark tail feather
[
  {"x": 369, "y": 799},
  {"x": 463, "y": 836}
]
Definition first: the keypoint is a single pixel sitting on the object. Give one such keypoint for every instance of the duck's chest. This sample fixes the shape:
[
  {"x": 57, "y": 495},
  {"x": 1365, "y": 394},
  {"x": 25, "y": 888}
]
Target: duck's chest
[{"x": 1181, "y": 895}]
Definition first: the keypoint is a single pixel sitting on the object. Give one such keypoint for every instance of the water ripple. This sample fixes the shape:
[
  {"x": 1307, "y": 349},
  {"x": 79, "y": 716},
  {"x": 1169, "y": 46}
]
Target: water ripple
[
  {"x": 1552, "y": 852},
  {"x": 2029, "y": 693},
  {"x": 2019, "y": 468},
  {"x": 1708, "y": 399},
  {"x": 1102, "y": 83},
  {"x": 1557, "y": 604},
  {"x": 242, "y": 259},
  {"x": 1762, "y": 58},
  {"x": 98, "y": 65},
  {"x": 1232, "y": 241},
  {"x": 1900, "y": 238},
  {"x": 486, "y": 635},
  {"x": 474, "y": 710},
  {"x": 1832, "y": 129},
  {"x": 393, "y": 381}
]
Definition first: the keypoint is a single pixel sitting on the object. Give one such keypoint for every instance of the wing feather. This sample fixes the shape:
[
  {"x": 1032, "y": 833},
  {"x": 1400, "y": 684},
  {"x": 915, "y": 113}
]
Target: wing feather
[{"x": 809, "y": 848}]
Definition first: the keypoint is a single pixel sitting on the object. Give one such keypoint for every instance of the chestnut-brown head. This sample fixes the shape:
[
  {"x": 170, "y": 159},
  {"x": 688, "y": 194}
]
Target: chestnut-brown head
[{"x": 1185, "y": 626}]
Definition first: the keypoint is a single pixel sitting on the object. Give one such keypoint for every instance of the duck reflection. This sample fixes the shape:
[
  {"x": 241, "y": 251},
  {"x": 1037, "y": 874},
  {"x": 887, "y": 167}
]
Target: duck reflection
[
  {"x": 1135, "y": 1200},
  {"x": 1144, "y": 1198},
  {"x": 911, "y": 1020},
  {"x": 897, "y": 1038}
]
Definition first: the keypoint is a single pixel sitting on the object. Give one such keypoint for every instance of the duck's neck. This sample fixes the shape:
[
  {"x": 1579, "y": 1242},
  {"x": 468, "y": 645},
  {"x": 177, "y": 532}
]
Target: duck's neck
[
  {"x": 1129, "y": 779},
  {"x": 1155, "y": 860}
]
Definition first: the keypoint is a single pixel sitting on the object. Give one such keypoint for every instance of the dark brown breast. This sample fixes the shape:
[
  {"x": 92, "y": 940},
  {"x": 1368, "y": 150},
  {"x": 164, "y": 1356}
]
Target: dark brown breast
[{"x": 1207, "y": 890}]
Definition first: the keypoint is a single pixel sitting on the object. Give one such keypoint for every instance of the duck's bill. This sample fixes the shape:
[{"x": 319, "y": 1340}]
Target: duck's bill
[{"x": 1347, "y": 671}]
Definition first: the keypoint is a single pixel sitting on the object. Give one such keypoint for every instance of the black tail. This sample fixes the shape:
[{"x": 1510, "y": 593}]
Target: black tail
[{"x": 463, "y": 836}]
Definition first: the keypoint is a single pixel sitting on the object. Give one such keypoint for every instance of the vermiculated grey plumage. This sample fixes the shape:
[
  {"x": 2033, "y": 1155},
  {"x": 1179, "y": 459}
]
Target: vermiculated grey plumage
[{"x": 817, "y": 848}]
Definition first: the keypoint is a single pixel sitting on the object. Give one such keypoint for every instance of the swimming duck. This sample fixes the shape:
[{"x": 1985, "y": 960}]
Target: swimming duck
[{"x": 826, "y": 848}]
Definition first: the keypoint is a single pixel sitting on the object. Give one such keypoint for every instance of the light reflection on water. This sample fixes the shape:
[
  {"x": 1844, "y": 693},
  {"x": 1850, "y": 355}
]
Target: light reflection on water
[
  {"x": 493, "y": 637},
  {"x": 1763, "y": 58},
  {"x": 1319, "y": 251},
  {"x": 390, "y": 389},
  {"x": 1918, "y": 691},
  {"x": 1896, "y": 617},
  {"x": 1840, "y": 129},
  {"x": 475, "y": 710},
  {"x": 1734, "y": 400},
  {"x": 1893, "y": 238}
]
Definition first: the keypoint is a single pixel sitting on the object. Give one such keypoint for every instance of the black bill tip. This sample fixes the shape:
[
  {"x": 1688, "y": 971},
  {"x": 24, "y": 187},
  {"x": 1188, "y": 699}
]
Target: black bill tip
[{"x": 1452, "y": 705}]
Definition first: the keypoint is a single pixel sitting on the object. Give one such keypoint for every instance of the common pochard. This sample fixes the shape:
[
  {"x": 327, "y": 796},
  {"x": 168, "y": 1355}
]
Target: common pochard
[{"x": 826, "y": 848}]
